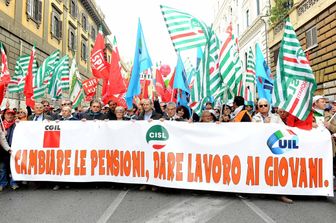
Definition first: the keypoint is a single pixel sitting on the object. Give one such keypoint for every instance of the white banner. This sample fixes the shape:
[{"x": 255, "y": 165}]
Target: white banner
[{"x": 232, "y": 157}]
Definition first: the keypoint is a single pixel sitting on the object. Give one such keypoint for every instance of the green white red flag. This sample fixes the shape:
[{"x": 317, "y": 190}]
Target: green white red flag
[{"x": 294, "y": 84}]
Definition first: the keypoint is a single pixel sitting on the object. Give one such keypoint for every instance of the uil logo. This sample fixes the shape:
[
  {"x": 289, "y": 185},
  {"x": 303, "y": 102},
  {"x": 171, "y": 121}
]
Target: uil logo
[
  {"x": 157, "y": 136},
  {"x": 283, "y": 141}
]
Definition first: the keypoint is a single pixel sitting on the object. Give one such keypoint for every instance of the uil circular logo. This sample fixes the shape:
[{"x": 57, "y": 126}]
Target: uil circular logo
[
  {"x": 157, "y": 136},
  {"x": 283, "y": 141}
]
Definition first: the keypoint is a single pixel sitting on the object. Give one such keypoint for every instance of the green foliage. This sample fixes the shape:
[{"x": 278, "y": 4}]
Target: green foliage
[{"x": 280, "y": 10}]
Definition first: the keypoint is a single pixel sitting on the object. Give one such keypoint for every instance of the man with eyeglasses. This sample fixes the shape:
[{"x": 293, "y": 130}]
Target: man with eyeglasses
[
  {"x": 39, "y": 114},
  {"x": 94, "y": 113},
  {"x": 46, "y": 108},
  {"x": 264, "y": 115},
  {"x": 64, "y": 102}
]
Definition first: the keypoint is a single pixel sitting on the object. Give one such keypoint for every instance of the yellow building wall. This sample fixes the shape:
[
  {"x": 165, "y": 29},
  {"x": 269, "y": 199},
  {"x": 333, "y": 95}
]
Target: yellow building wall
[
  {"x": 51, "y": 40},
  {"x": 30, "y": 24},
  {"x": 8, "y": 10},
  {"x": 297, "y": 20}
]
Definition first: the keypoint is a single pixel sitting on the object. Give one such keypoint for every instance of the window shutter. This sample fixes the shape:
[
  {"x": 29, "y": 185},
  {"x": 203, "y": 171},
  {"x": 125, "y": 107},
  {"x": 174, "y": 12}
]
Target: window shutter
[
  {"x": 69, "y": 38},
  {"x": 60, "y": 28},
  {"x": 29, "y": 8},
  {"x": 52, "y": 24},
  {"x": 314, "y": 36},
  {"x": 39, "y": 11},
  {"x": 75, "y": 42}
]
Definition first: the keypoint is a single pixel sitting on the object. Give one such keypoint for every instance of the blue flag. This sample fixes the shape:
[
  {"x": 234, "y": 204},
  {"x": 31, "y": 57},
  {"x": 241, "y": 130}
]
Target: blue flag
[
  {"x": 264, "y": 81},
  {"x": 142, "y": 61},
  {"x": 180, "y": 79}
]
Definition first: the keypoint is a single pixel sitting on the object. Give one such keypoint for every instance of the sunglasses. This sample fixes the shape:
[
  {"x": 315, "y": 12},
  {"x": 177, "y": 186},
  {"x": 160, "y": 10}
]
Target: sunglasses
[
  {"x": 260, "y": 106},
  {"x": 66, "y": 104},
  {"x": 20, "y": 112}
]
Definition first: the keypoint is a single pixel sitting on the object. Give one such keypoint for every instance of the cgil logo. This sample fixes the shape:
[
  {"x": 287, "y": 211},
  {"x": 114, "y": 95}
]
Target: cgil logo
[
  {"x": 157, "y": 136},
  {"x": 52, "y": 136},
  {"x": 283, "y": 141}
]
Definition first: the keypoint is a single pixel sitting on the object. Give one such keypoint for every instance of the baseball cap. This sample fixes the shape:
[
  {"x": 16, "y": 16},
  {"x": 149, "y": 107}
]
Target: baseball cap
[
  {"x": 10, "y": 111},
  {"x": 317, "y": 97}
]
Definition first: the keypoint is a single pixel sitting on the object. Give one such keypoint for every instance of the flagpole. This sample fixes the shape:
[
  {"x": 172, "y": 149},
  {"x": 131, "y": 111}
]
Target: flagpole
[{"x": 19, "y": 94}]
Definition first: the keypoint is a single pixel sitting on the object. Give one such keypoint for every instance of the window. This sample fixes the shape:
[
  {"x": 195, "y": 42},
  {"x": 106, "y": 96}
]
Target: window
[
  {"x": 237, "y": 29},
  {"x": 258, "y": 7},
  {"x": 93, "y": 33},
  {"x": 84, "y": 22},
  {"x": 84, "y": 49},
  {"x": 72, "y": 38},
  {"x": 275, "y": 55},
  {"x": 73, "y": 8},
  {"x": 56, "y": 24},
  {"x": 247, "y": 18},
  {"x": 34, "y": 10},
  {"x": 311, "y": 38},
  {"x": 109, "y": 58},
  {"x": 7, "y": 2}
]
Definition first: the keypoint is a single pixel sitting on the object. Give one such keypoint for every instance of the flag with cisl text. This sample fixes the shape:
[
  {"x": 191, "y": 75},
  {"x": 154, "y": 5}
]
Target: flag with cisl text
[{"x": 295, "y": 83}]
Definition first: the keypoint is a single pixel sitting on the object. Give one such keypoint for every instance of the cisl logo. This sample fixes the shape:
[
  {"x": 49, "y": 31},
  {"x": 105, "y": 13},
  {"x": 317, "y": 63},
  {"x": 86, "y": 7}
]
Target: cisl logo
[
  {"x": 52, "y": 136},
  {"x": 283, "y": 141},
  {"x": 157, "y": 136}
]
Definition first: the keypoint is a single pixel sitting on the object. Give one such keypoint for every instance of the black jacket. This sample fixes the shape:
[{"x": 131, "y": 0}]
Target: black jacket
[{"x": 154, "y": 116}]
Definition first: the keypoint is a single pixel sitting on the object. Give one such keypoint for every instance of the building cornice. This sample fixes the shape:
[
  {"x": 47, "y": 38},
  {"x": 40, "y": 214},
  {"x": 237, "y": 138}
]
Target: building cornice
[
  {"x": 256, "y": 25},
  {"x": 96, "y": 14}
]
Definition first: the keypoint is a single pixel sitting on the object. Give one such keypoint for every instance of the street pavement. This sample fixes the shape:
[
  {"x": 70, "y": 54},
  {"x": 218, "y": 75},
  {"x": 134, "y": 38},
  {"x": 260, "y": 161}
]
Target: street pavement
[{"x": 121, "y": 203}]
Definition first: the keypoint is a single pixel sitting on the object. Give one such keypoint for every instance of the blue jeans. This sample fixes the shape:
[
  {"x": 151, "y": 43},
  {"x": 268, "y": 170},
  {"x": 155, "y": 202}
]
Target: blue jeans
[{"x": 5, "y": 173}]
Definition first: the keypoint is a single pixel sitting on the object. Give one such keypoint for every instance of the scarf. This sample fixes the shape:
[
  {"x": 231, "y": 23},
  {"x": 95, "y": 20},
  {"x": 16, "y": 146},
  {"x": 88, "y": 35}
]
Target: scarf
[
  {"x": 236, "y": 111},
  {"x": 8, "y": 124}
]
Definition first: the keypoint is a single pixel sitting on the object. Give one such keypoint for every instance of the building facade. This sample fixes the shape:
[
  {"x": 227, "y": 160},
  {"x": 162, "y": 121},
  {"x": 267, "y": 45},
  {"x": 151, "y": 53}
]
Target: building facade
[
  {"x": 314, "y": 22},
  {"x": 249, "y": 23},
  {"x": 70, "y": 26}
]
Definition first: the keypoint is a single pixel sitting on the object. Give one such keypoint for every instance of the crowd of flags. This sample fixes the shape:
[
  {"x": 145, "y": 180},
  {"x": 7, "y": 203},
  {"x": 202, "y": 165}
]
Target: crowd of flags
[{"x": 218, "y": 74}]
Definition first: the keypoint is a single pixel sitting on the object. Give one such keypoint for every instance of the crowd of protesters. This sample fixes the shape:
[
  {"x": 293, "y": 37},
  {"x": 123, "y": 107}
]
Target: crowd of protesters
[{"x": 322, "y": 116}]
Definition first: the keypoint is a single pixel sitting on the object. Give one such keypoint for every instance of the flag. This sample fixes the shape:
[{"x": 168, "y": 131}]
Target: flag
[
  {"x": 186, "y": 31},
  {"x": 44, "y": 73},
  {"x": 115, "y": 83},
  {"x": 249, "y": 79},
  {"x": 207, "y": 81},
  {"x": 230, "y": 65},
  {"x": 59, "y": 81},
  {"x": 76, "y": 89},
  {"x": 99, "y": 65},
  {"x": 17, "y": 82},
  {"x": 142, "y": 61},
  {"x": 28, "y": 88},
  {"x": 90, "y": 86},
  {"x": 294, "y": 80},
  {"x": 5, "y": 76},
  {"x": 263, "y": 75},
  {"x": 180, "y": 80}
]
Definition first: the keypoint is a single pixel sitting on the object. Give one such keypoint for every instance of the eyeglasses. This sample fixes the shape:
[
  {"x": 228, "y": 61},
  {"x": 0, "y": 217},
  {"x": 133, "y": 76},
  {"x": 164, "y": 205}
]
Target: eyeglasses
[
  {"x": 21, "y": 112},
  {"x": 66, "y": 104},
  {"x": 46, "y": 105},
  {"x": 265, "y": 106}
]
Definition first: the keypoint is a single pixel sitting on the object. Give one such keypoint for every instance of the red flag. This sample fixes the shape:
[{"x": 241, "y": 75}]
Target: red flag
[
  {"x": 160, "y": 86},
  {"x": 118, "y": 98},
  {"x": 99, "y": 65},
  {"x": 5, "y": 76},
  {"x": 171, "y": 93},
  {"x": 90, "y": 86},
  {"x": 116, "y": 83},
  {"x": 28, "y": 88}
]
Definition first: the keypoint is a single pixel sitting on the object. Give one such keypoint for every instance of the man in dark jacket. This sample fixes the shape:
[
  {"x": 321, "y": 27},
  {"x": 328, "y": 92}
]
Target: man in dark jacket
[
  {"x": 170, "y": 113},
  {"x": 94, "y": 112},
  {"x": 39, "y": 115},
  {"x": 148, "y": 112}
]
